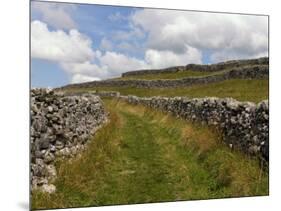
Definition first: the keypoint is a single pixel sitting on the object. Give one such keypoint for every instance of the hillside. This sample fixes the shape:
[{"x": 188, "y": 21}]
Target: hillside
[
  {"x": 185, "y": 76},
  {"x": 245, "y": 80},
  {"x": 169, "y": 75},
  {"x": 201, "y": 68},
  {"x": 253, "y": 90}
]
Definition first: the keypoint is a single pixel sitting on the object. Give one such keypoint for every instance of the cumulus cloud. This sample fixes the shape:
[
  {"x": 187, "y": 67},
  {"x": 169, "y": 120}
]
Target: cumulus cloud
[
  {"x": 118, "y": 63},
  {"x": 86, "y": 68},
  {"x": 72, "y": 51},
  {"x": 55, "y": 14},
  {"x": 162, "y": 59},
  {"x": 80, "y": 78},
  {"x": 59, "y": 46},
  {"x": 230, "y": 34},
  {"x": 132, "y": 34}
]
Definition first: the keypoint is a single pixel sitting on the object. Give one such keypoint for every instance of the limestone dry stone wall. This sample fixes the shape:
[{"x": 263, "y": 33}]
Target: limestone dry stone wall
[
  {"x": 98, "y": 93},
  {"x": 247, "y": 72},
  {"x": 60, "y": 127},
  {"x": 203, "y": 68},
  {"x": 244, "y": 125}
]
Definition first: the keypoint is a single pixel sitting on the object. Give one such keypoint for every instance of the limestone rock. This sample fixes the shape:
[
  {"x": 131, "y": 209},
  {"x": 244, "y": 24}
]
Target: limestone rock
[
  {"x": 57, "y": 126},
  {"x": 49, "y": 188}
]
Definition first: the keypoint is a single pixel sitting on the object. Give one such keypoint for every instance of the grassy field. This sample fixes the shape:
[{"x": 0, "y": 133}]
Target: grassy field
[
  {"x": 175, "y": 75},
  {"x": 143, "y": 155},
  {"x": 244, "y": 90}
]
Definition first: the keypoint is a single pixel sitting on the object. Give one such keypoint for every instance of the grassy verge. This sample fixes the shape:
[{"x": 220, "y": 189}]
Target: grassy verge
[
  {"x": 144, "y": 155},
  {"x": 243, "y": 90}
]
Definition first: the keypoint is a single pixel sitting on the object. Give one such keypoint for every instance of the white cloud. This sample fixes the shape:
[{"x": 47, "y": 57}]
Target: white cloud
[
  {"x": 170, "y": 30},
  {"x": 86, "y": 68},
  {"x": 80, "y": 78},
  {"x": 132, "y": 34},
  {"x": 118, "y": 63},
  {"x": 162, "y": 59},
  {"x": 55, "y": 14},
  {"x": 72, "y": 51},
  {"x": 59, "y": 46}
]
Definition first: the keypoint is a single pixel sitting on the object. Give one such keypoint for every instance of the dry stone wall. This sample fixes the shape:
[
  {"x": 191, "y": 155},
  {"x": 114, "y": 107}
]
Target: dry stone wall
[
  {"x": 244, "y": 125},
  {"x": 203, "y": 68},
  {"x": 98, "y": 93},
  {"x": 60, "y": 127},
  {"x": 247, "y": 72}
]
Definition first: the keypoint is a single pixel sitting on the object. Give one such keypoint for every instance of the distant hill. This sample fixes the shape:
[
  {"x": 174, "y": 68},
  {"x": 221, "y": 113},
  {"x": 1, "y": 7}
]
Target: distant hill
[
  {"x": 201, "y": 68},
  {"x": 240, "y": 79}
]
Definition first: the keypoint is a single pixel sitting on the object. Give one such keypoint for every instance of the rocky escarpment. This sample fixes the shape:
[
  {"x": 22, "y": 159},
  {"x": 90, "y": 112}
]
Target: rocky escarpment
[
  {"x": 60, "y": 127},
  {"x": 258, "y": 70},
  {"x": 202, "y": 68},
  {"x": 244, "y": 125}
]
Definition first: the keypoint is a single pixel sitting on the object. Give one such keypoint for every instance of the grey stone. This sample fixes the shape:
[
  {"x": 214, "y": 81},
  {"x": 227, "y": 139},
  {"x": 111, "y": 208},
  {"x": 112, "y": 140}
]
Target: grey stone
[
  {"x": 44, "y": 144},
  {"x": 49, "y": 157},
  {"x": 52, "y": 173},
  {"x": 39, "y": 154},
  {"x": 254, "y": 149},
  {"x": 59, "y": 145},
  {"x": 49, "y": 188},
  {"x": 50, "y": 109},
  {"x": 54, "y": 119}
]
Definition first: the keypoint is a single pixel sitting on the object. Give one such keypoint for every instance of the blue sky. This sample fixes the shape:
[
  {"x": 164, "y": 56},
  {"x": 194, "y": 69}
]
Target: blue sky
[
  {"x": 47, "y": 74},
  {"x": 72, "y": 43}
]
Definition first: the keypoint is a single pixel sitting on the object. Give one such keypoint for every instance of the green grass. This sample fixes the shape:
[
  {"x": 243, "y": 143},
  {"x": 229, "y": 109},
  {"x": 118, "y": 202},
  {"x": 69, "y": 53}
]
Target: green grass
[
  {"x": 175, "y": 75},
  {"x": 143, "y": 155},
  {"x": 253, "y": 90}
]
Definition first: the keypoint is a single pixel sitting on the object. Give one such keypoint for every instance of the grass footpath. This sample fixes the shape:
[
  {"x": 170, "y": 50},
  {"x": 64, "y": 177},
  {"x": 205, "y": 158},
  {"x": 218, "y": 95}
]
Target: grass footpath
[
  {"x": 143, "y": 156},
  {"x": 254, "y": 90}
]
